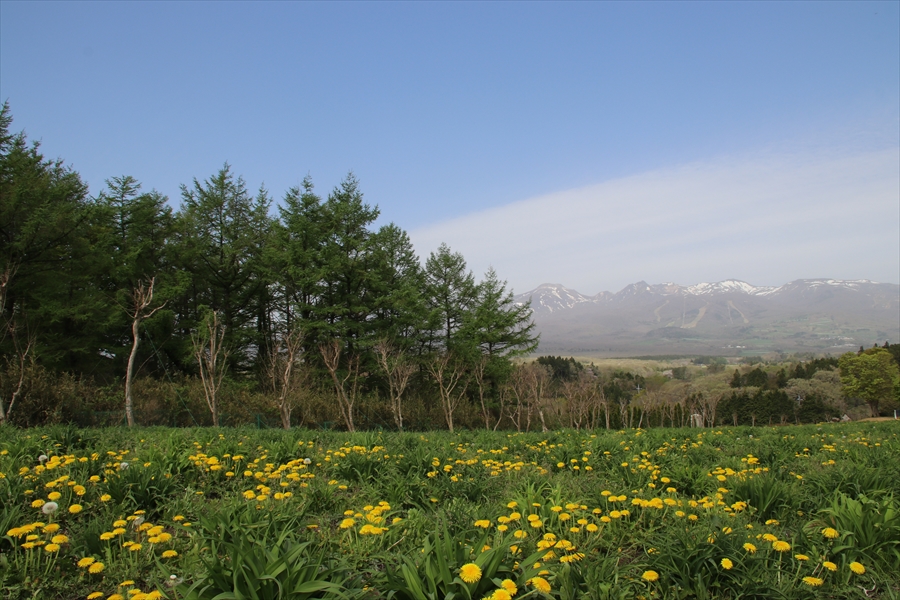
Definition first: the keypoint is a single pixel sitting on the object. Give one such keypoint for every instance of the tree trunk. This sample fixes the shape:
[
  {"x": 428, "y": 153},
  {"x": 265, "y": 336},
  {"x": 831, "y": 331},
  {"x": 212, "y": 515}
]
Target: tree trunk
[
  {"x": 142, "y": 297},
  {"x": 129, "y": 371}
]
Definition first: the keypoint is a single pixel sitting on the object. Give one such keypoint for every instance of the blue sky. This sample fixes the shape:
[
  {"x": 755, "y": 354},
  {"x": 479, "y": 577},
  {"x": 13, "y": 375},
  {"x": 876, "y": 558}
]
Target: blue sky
[{"x": 588, "y": 144}]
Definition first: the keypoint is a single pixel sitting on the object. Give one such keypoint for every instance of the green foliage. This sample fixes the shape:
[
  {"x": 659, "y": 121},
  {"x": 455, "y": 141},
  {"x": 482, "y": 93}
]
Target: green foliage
[
  {"x": 451, "y": 294},
  {"x": 769, "y": 497},
  {"x": 252, "y": 559},
  {"x": 563, "y": 369},
  {"x": 870, "y": 526},
  {"x": 436, "y": 575},
  {"x": 873, "y": 376}
]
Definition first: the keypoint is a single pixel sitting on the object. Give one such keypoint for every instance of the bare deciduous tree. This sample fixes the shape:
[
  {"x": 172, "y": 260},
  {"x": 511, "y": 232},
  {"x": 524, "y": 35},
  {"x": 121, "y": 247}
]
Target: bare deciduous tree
[
  {"x": 23, "y": 353},
  {"x": 528, "y": 384},
  {"x": 582, "y": 396},
  {"x": 478, "y": 373},
  {"x": 23, "y": 344},
  {"x": 449, "y": 374},
  {"x": 398, "y": 370},
  {"x": 286, "y": 373},
  {"x": 6, "y": 276},
  {"x": 212, "y": 357},
  {"x": 346, "y": 394},
  {"x": 141, "y": 299}
]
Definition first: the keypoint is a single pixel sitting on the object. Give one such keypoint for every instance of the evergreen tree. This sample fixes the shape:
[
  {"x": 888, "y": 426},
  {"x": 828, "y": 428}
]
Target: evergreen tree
[
  {"x": 294, "y": 260},
  {"x": 451, "y": 293},
  {"x": 222, "y": 235},
  {"x": 47, "y": 261},
  {"x": 135, "y": 233},
  {"x": 401, "y": 314},
  {"x": 348, "y": 273},
  {"x": 756, "y": 378},
  {"x": 498, "y": 326}
]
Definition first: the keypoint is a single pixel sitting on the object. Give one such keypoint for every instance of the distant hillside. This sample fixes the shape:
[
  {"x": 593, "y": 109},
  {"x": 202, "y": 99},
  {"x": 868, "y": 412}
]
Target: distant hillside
[{"x": 725, "y": 318}]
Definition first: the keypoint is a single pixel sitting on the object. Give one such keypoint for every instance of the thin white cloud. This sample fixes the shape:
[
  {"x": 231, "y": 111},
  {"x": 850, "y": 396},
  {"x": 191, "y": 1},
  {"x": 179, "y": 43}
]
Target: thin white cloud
[{"x": 766, "y": 220}]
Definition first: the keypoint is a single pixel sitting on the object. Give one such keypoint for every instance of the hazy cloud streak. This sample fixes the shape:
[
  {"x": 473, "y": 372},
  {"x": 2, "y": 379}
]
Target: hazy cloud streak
[{"x": 764, "y": 220}]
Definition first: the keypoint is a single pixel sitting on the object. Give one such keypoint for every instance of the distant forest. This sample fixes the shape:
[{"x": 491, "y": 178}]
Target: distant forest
[{"x": 233, "y": 309}]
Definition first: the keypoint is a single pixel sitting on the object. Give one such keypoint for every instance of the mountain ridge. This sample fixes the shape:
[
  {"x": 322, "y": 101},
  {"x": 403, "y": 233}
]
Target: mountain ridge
[{"x": 820, "y": 315}]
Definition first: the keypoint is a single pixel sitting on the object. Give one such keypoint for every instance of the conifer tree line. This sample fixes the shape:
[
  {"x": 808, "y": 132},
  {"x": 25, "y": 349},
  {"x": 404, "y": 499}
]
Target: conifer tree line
[
  {"x": 234, "y": 309},
  {"x": 235, "y": 295}
]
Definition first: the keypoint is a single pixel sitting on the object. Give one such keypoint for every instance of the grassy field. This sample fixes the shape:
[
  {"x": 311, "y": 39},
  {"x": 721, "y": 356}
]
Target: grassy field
[{"x": 789, "y": 512}]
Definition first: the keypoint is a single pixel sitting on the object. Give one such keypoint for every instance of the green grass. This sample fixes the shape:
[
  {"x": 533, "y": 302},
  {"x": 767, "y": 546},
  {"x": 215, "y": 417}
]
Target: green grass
[{"x": 238, "y": 514}]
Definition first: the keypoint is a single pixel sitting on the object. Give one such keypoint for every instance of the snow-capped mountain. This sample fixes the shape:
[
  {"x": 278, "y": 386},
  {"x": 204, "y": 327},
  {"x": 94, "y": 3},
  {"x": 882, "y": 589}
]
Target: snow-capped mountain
[
  {"x": 817, "y": 315},
  {"x": 553, "y": 296}
]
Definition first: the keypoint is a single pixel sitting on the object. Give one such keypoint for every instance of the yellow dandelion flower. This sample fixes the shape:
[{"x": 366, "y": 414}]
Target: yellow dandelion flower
[
  {"x": 51, "y": 548},
  {"x": 96, "y": 567},
  {"x": 650, "y": 576},
  {"x": 781, "y": 546},
  {"x": 857, "y": 568},
  {"x": 510, "y": 586},
  {"x": 750, "y": 548},
  {"x": 831, "y": 533},
  {"x": 500, "y": 594},
  {"x": 169, "y": 554},
  {"x": 86, "y": 562},
  {"x": 727, "y": 564},
  {"x": 470, "y": 573},
  {"x": 830, "y": 565},
  {"x": 94, "y": 595},
  {"x": 801, "y": 557},
  {"x": 540, "y": 584},
  {"x": 812, "y": 581},
  {"x": 75, "y": 509}
]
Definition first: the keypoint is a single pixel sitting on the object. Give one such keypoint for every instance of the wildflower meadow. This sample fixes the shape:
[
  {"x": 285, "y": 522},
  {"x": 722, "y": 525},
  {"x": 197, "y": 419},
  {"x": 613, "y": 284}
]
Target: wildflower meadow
[{"x": 767, "y": 512}]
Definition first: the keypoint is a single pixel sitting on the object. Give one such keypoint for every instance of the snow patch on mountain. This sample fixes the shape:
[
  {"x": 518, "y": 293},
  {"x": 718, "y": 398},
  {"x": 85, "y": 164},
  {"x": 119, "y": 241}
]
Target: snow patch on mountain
[
  {"x": 729, "y": 285},
  {"x": 553, "y": 297}
]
